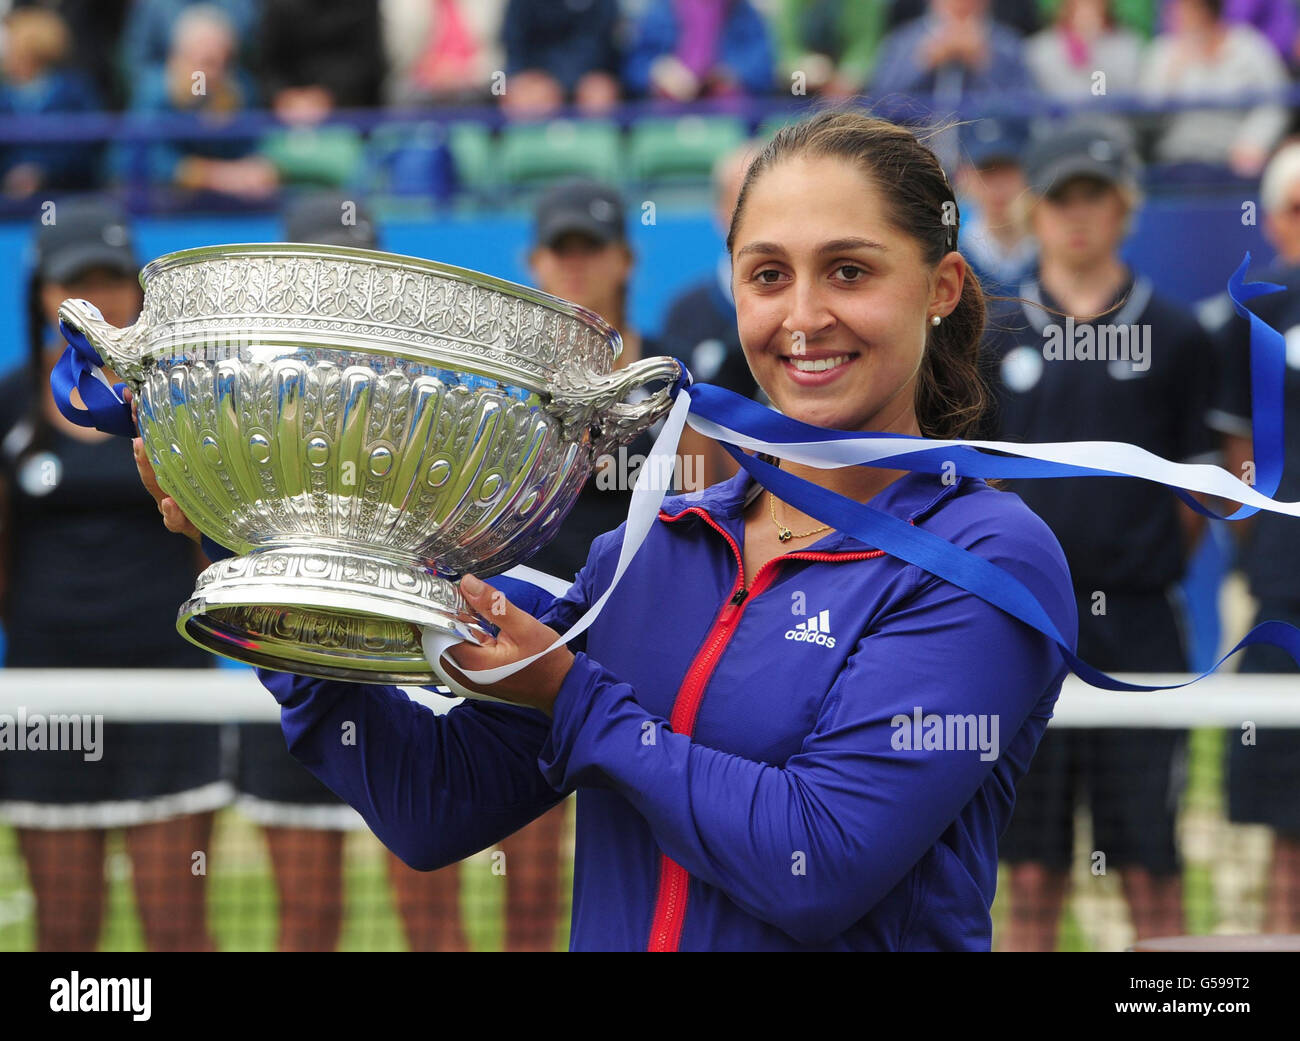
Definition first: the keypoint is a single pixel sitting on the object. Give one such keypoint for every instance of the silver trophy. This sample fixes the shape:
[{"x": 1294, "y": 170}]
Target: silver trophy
[{"x": 362, "y": 428}]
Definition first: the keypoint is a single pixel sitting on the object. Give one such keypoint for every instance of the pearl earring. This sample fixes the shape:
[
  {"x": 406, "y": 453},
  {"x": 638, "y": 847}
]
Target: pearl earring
[{"x": 935, "y": 319}]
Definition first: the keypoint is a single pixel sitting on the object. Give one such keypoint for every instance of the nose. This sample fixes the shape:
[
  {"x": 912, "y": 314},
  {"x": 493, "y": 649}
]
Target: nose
[{"x": 809, "y": 314}]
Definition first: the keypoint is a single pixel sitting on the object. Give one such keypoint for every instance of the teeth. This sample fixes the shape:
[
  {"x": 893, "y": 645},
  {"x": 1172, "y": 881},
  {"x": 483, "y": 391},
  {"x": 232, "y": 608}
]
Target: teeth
[{"x": 820, "y": 365}]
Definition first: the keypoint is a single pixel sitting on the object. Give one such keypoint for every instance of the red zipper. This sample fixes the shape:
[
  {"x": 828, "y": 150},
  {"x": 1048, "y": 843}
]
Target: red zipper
[{"x": 674, "y": 880}]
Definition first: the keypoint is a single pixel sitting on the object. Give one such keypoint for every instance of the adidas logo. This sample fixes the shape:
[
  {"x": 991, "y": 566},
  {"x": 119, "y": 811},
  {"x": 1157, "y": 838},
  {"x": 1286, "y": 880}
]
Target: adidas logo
[{"x": 816, "y": 630}]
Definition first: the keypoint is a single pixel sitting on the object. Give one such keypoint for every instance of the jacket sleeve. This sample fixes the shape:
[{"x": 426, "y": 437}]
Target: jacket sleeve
[
  {"x": 434, "y": 788},
  {"x": 813, "y": 845}
]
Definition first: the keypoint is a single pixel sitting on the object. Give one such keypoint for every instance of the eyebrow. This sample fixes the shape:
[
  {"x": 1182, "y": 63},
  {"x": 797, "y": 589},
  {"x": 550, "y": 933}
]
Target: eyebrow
[{"x": 834, "y": 246}]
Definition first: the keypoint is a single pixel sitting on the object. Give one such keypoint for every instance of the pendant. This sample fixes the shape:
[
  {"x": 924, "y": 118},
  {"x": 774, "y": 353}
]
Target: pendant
[{"x": 785, "y": 535}]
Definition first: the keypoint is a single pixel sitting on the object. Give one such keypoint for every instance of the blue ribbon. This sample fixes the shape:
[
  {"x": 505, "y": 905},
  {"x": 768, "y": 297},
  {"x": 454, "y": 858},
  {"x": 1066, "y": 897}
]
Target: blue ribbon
[
  {"x": 965, "y": 569},
  {"x": 81, "y": 367},
  {"x": 1268, "y": 373}
]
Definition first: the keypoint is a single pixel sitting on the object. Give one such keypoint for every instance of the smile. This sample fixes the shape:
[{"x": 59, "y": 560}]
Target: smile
[
  {"x": 816, "y": 372},
  {"x": 819, "y": 364}
]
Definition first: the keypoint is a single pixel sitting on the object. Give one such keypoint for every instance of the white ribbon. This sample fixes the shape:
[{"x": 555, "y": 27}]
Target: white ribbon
[
  {"x": 652, "y": 483},
  {"x": 653, "y": 479}
]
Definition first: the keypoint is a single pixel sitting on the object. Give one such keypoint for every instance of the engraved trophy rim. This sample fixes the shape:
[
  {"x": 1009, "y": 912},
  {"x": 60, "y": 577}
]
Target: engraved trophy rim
[{"x": 382, "y": 258}]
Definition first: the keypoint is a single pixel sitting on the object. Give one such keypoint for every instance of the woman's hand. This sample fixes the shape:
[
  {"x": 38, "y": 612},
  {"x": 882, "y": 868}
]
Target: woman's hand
[
  {"x": 520, "y": 636},
  {"x": 173, "y": 518}
]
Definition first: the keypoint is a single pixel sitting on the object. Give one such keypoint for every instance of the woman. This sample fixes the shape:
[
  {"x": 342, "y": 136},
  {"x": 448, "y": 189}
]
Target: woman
[
  {"x": 201, "y": 79},
  {"x": 74, "y": 521},
  {"x": 1085, "y": 40},
  {"x": 1206, "y": 56},
  {"x": 737, "y": 723}
]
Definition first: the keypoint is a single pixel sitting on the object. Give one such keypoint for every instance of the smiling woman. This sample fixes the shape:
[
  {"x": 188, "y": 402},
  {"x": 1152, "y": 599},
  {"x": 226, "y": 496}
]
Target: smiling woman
[
  {"x": 876, "y": 330},
  {"x": 730, "y": 720}
]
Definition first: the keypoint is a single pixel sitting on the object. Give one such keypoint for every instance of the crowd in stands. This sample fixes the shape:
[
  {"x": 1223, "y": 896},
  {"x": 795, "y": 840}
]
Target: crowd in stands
[{"x": 303, "y": 60}]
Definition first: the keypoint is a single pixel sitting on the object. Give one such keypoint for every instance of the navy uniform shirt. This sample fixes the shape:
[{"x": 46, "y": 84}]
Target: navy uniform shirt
[
  {"x": 95, "y": 579},
  {"x": 1059, "y": 380},
  {"x": 1271, "y": 555}
]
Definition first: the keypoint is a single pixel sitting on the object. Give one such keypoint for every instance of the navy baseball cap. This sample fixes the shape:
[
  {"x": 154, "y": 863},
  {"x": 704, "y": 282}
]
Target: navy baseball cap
[
  {"x": 84, "y": 234},
  {"x": 579, "y": 205},
  {"x": 988, "y": 141},
  {"x": 331, "y": 219},
  {"x": 1095, "y": 152}
]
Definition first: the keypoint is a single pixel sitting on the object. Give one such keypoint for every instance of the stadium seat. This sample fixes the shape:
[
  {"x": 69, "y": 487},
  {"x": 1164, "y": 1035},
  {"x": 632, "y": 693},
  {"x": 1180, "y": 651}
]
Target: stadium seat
[
  {"x": 473, "y": 153},
  {"x": 531, "y": 152},
  {"x": 315, "y": 155},
  {"x": 682, "y": 148},
  {"x": 409, "y": 159}
]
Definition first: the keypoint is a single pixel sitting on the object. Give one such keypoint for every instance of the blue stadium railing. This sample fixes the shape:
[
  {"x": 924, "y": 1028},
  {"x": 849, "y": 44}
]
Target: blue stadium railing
[{"x": 127, "y": 129}]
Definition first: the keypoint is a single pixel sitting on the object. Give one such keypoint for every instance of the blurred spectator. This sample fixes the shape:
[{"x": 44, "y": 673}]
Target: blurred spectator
[
  {"x": 1137, "y": 15},
  {"x": 150, "y": 25},
  {"x": 1203, "y": 55},
  {"x": 37, "y": 82},
  {"x": 1021, "y": 15},
  {"x": 832, "y": 42},
  {"x": 95, "y": 27},
  {"x": 558, "y": 53},
  {"x": 1264, "y": 775},
  {"x": 73, "y": 512},
  {"x": 954, "y": 49},
  {"x": 1084, "y": 40},
  {"x": 1092, "y": 351},
  {"x": 440, "y": 50},
  {"x": 991, "y": 183},
  {"x": 581, "y": 253},
  {"x": 319, "y": 55},
  {"x": 683, "y": 50},
  {"x": 700, "y": 324},
  {"x": 1278, "y": 20},
  {"x": 201, "y": 79}
]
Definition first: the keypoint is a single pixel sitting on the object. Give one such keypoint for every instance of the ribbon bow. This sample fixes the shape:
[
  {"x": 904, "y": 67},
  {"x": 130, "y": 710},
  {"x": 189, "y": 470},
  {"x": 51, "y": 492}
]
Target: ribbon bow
[{"x": 82, "y": 368}]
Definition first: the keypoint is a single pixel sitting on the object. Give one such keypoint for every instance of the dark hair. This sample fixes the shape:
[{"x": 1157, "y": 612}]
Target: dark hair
[
  {"x": 951, "y": 395},
  {"x": 35, "y": 427},
  {"x": 36, "y": 430}
]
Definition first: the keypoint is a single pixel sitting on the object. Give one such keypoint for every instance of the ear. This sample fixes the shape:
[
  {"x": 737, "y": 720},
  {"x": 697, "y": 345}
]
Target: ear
[
  {"x": 1271, "y": 227},
  {"x": 629, "y": 258},
  {"x": 949, "y": 280}
]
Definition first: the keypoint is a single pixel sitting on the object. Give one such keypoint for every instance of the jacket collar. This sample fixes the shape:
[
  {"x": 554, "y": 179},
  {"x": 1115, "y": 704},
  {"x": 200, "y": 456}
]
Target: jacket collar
[{"x": 911, "y": 497}]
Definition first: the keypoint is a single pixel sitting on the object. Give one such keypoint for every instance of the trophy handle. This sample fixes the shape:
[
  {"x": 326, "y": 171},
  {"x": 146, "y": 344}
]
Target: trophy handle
[
  {"x": 597, "y": 403},
  {"x": 121, "y": 349}
]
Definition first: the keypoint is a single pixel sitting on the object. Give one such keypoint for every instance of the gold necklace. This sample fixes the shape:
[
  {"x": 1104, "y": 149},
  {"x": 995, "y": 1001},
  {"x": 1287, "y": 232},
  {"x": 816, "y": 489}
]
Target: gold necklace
[{"x": 783, "y": 533}]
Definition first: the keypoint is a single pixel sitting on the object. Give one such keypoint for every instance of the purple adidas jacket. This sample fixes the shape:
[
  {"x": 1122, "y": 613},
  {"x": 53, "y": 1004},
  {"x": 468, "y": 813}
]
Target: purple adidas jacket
[{"x": 820, "y": 756}]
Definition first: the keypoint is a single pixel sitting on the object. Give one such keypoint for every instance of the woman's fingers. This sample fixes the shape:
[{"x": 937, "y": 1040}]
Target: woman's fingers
[
  {"x": 174, "y": 518},
  {"x": 145, "y": 469},
  {"x": 519, "y": 636},
  {"x": 496, "y": 607}
]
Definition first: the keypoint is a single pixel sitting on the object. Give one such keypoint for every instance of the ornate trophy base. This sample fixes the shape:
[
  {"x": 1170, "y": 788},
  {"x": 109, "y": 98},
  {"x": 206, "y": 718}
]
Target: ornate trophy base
[{"x": 326, "y": 612}]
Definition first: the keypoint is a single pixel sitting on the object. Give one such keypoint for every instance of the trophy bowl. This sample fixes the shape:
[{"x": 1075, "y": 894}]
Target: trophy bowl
[{"x": 360, "y": 429}]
